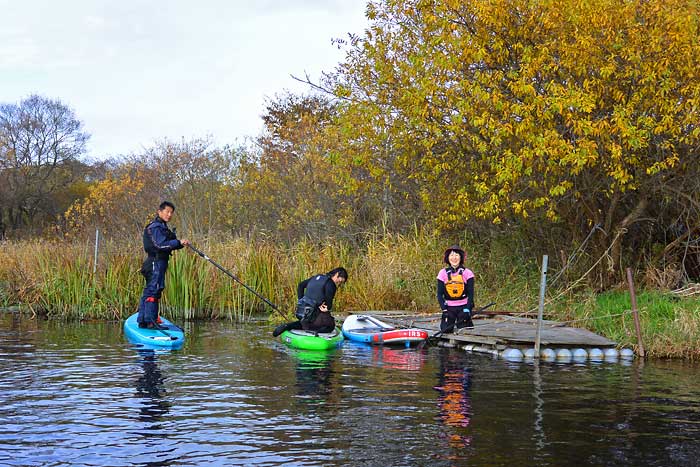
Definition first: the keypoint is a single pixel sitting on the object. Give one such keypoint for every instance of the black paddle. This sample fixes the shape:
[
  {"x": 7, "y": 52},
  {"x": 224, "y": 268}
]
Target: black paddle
[
  {"x": 450, "y": 328},
  {"x": 228, "y": 273},
  {"x": 163, "y": 332},
  {"x": 157, "y": 327}
]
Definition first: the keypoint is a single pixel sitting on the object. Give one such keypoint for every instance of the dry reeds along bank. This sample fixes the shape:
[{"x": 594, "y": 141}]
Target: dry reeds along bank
[{"x": 390, "y": 272}]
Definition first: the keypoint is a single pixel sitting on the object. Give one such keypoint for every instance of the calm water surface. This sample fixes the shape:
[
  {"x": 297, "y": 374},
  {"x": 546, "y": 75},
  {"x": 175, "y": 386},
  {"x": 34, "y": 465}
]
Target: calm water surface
[{"x": 80, "y": 395}]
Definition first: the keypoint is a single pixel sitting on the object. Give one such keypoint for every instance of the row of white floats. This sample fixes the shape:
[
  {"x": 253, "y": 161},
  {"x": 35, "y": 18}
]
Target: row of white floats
[{"x": 563, "y": 355}]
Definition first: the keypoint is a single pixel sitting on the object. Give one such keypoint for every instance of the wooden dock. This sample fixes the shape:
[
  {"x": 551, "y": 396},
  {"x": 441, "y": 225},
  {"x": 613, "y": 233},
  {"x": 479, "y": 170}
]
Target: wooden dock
[{"x": 497, "y": 333}]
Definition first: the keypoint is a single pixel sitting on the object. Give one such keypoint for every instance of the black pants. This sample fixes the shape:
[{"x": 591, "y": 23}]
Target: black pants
[
  {"x": 324, "y": 322},
  {"x": 153, "y": 271},
  {"x": 455, "y": 317}
]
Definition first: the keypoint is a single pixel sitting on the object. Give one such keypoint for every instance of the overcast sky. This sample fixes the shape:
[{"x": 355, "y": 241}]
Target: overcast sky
[{"x": 138, "y": 71}]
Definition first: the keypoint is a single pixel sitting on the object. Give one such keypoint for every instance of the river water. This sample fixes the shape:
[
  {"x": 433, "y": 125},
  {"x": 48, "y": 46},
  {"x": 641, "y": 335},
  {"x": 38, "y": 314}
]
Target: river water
[{"x": 79, "y": 394}]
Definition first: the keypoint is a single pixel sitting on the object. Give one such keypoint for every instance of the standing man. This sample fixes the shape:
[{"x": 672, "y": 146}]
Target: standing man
[{"x": 158, "y": 242}]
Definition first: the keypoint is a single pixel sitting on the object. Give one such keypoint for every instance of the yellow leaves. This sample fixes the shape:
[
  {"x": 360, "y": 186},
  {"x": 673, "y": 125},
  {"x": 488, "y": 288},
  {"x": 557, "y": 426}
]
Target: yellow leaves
[
  {"x": 527, "y": 98},
  {"x": 342, "y": 91},
  {"x": 109, "y": 202},
  {"x": 371, "y": 11},
  {"x": 519, "y": 208},
  {"x": 619, "y": 95},
  {"x": 615, "y": 152},
  {"x": 668, "y": 163},
  {"x": 552, "y": 214},
  {"x": 561, "y": 189}
]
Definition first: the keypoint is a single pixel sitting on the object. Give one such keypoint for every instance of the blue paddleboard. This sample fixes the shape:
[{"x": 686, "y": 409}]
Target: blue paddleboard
[{"x": 168, "y": 336}]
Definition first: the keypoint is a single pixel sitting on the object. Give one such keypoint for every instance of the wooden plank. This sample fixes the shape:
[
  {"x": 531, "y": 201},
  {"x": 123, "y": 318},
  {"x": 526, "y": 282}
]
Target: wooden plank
[
  {"x": 472, "y": 339},
  {"x": 501, "y": 330},
  {"x": 556, "y": 334}
]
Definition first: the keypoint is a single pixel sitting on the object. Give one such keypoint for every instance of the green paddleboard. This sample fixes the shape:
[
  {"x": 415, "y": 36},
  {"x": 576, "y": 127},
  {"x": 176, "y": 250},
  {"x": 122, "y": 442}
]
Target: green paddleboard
[{"x": 309, "y": 340}]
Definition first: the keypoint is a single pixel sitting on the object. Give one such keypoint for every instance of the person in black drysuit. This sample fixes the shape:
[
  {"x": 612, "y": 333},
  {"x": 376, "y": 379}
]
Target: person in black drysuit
[
  {"x": 315, "y": 301},
  {"x": 158, "y": 242}
]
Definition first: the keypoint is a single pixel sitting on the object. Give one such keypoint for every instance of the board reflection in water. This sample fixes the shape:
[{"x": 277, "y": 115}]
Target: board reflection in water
[{"x": 314, "y": 374}]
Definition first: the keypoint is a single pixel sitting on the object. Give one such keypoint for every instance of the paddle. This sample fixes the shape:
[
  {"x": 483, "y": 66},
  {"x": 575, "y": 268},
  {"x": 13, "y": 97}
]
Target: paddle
[
  {"x": 450, "y": 328},
  {"x": 228, "y": 273},
  {"x": 375, "y": 321},
  {"x": 157, "y": 327}
]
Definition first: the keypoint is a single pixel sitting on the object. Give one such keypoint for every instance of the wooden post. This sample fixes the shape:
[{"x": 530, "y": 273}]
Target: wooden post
[
  {"x": 635, "y": 314},
  {"x": 540, "y": 311},
  {"x": 97, "y": 241}
]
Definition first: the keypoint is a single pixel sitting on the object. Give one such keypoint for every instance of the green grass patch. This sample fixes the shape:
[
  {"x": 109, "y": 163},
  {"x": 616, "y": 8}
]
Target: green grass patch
[{"x": 669, "y": 325}]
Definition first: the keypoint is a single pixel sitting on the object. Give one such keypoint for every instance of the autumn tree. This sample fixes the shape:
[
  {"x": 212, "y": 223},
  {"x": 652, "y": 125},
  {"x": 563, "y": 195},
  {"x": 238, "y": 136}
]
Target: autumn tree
[
  {"x": 192, "y": 174},
  {"x": 576, "y": 115},
  {"x": 289, "y": 190},
  {"x": 117, "y": 204},
  {"x": 41, "y": 141}
]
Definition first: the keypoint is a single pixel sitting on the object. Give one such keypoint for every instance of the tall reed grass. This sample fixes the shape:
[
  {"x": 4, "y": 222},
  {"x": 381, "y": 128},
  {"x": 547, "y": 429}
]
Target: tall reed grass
[{"x": 390, "y": 271}]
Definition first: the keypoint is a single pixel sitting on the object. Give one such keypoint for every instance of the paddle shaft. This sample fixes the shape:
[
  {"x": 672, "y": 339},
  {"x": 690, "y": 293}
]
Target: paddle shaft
[
  {"x": 378, "y": 323},
  {"x": 162, "y": 331},
  {"x": 228, "y": 273}
]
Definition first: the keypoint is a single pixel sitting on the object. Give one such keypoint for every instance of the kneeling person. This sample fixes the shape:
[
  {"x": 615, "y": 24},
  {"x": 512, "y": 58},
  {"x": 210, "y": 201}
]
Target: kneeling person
[{"x": 315, "y": 302}]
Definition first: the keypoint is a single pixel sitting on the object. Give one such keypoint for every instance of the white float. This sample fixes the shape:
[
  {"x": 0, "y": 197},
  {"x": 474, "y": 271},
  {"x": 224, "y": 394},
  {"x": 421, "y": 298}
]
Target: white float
[
  {"x": 548, "y": 355},
  {"x": 580, "y": 355},
  {"x": 563, "y": 355},
  {"x": 514, "y": 355},
  {"x": 627, "y": 353},
  {"x": 611, "y": 354},
  {"x": 595, "y": 354}
]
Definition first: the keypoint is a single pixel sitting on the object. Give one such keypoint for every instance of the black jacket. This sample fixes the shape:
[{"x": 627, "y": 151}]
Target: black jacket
[
  {"x": 158, "y": 240},
  {"x": 319, "y": 288}
]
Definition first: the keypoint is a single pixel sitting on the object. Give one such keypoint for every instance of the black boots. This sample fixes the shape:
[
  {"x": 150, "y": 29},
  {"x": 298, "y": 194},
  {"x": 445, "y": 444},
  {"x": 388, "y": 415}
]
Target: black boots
[
  {"x": 280, "y": 329},
  {"x": 464, "y": 320}
]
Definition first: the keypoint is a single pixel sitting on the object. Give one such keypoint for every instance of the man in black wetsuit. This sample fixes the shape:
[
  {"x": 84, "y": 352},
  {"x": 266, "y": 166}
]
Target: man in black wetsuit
[
  {"x": 158, "y": 242},
  {"x": 315, "y": 302}
]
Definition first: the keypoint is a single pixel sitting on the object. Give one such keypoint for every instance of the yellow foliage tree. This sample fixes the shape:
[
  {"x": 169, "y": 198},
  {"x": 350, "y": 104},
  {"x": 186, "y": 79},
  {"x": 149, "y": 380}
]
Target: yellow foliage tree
[
  {"x": 115, "y": 204},
  {"x": 289, "y": 190},
  {"x": 579, "y": 114}
]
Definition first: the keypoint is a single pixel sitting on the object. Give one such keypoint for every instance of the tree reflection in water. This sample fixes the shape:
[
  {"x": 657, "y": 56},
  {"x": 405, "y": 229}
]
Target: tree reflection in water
[{"x": 454, "y": 400}]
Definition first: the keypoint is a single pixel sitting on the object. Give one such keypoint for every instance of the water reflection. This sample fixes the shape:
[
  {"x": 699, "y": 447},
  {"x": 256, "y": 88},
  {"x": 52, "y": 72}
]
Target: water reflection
[
  {"x": 395, "y": 358},
  {"x": 251, "y": 401},
  {"x": 454, "y": 398},
  {"x": 150, "y": 388},
  {"x": 314, "y": 374},
  {"x": 538, "y": 416},
  {"x": 398, "y": 358}
]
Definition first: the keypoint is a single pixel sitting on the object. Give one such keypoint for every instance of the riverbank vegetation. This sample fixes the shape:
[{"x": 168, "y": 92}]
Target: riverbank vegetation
[
  {"x": 517, "y": 128},
  {"x": 61, "y": 281}
]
